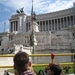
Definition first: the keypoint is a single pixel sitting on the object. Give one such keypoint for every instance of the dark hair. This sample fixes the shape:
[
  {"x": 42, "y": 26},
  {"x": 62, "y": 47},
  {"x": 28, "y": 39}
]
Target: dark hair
[
  {"x": 21, "y": 60},
  {"x": 57, "y": 70}
]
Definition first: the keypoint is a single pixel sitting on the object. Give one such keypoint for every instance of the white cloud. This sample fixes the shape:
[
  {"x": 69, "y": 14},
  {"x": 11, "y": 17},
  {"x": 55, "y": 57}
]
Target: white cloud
[
  {"x": 40, "y": 6},
  {"x": 5, "y": 10},
  {"x": 59, "y": 5}
]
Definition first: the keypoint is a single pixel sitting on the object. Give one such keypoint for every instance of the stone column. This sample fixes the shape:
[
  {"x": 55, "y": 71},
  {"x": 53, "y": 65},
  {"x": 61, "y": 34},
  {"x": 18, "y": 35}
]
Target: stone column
[
  {"x": 66, "y": 22},
  {"x": 57, "y": 24},
  {"x": 63, "y": 23},
  {"x": 26, "y": 40},
  {"x": 70, "y": 20},
  {"x": 48, "y": 25},
  {"x": 10, "y": 27},
  {"x": 19, "y": 23},
  {"x": 42, "y": 26},
  {"x": 73, "y": 21},
  {"x": 13, "y": 27},
  {"x": 60, "y": 23},
  {"x": 28, "y": 26},
  {"x": 45, "y": 25},
  {"x": 51, "y": 24},
  {"x": 54, "y": 24}
]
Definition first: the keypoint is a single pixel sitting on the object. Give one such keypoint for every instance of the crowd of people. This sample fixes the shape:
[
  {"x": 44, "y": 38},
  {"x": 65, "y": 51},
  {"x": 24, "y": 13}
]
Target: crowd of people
[{"x": 23, "y": 66}]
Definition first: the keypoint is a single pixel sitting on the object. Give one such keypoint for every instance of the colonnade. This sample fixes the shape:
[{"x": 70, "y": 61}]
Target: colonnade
[
  {"x": 54, "y": 24},
  {"x": 13, "y": 26},
  {"x": 48, "y": 24}
]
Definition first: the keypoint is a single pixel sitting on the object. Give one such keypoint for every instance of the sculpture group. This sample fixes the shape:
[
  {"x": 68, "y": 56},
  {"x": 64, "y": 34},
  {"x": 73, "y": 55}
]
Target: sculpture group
[{"x": 20, "y": 11}]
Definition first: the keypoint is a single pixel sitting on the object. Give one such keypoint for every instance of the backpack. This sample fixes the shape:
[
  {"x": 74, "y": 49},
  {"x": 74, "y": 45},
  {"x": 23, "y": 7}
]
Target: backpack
[{"x": 8, "y": 73}]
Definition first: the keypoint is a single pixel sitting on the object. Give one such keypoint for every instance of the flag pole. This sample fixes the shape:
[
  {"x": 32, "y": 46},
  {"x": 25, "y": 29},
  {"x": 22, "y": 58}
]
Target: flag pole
[{"x": 32, "y": 28}]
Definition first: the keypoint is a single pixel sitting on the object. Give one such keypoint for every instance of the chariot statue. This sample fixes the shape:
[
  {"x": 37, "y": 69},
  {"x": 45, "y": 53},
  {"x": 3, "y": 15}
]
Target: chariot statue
[{"x": 20, "y": 11}]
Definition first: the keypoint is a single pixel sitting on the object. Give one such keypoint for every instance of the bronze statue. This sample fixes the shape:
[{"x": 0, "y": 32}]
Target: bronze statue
[
  {"x": 17, "y": 11},
  {"x": 20, "y": 11}
]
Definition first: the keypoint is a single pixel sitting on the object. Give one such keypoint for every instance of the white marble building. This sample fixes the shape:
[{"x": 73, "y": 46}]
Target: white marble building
[{"x": 52, "y": 31}]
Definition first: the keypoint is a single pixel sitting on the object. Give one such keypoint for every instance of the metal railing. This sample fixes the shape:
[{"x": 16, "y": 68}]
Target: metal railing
[{"x": 40, "y": 55}]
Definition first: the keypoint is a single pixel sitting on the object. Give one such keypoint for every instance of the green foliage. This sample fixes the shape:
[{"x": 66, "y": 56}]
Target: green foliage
[
  {"x": 71, "y": 70},
  {"x": 38, "y": 68},
  {"x": 11, "y": 70}
]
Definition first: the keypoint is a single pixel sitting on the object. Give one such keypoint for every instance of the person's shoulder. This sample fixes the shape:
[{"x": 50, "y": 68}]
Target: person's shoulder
[
  {"x": 32, "y": 73},
  {"x": 29, "y": 72}
]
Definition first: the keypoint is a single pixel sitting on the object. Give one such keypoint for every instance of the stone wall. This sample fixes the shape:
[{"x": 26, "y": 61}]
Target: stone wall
[{"x": 56, "y": 59}]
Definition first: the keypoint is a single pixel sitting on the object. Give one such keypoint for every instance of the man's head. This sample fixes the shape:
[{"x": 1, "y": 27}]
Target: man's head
[
  {"x": 21, "y": 61},
  {"x": 54, "y": 70}
]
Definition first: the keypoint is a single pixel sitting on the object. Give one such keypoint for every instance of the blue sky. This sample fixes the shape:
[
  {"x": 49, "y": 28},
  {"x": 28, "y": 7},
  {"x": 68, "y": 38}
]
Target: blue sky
[{"x": 9, "y": 7}]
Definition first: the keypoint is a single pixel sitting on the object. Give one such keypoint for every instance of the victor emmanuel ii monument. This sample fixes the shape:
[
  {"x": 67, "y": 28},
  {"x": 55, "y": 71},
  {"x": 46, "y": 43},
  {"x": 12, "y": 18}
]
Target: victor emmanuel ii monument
[{"x": 51, "y": 31}]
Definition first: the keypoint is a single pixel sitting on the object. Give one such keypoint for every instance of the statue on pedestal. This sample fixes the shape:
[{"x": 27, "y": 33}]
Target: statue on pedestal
[{"x": 20, "y": 11}]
